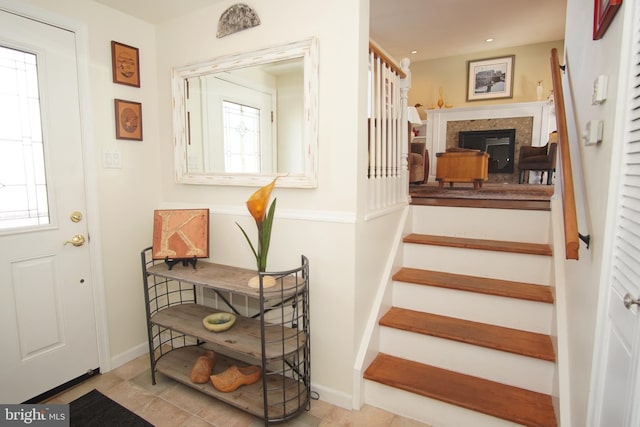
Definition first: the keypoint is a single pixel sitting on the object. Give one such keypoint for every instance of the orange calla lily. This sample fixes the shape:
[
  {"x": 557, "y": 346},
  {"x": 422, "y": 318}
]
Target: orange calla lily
[{"x": 257, "y": 203}]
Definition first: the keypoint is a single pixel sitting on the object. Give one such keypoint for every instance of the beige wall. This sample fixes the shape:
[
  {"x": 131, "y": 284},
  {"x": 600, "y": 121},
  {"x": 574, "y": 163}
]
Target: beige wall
[{"x": 531, "y": 64}]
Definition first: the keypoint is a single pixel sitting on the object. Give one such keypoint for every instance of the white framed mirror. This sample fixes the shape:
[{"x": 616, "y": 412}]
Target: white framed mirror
[{"x": 242, "y": 119}]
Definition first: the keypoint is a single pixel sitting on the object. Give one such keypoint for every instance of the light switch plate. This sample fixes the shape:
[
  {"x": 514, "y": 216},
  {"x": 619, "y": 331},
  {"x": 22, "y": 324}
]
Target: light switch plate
[
  {"x": 599, "y": 90},
  {"x": 593, "y": 134},
  {"x": 112, "y": 159}
]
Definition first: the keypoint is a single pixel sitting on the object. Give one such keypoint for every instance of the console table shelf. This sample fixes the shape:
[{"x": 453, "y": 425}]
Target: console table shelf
[
  {"x": 178, "y": 363},
  {"x": 273, "y": 333},
  {"x": 245, "y": 336}
]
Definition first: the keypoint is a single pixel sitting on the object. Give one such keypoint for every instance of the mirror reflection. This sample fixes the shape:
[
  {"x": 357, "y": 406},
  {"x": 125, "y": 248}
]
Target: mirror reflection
[
  {"x": 247, "y": 120},
  {"x": 242, "y": 119}
]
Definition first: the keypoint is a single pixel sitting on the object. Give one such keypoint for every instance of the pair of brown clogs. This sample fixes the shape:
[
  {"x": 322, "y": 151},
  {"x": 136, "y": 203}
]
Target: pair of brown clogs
[{"x": 227, "y": 381}]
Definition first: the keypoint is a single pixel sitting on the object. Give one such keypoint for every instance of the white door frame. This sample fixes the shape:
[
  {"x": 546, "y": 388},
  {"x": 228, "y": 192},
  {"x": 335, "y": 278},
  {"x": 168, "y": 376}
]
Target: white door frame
[{"x": 88, "y": 152}]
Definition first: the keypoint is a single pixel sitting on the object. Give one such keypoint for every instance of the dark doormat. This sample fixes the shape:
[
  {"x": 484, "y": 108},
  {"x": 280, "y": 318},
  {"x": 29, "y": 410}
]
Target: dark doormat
[{"x": 94, "y": 409}]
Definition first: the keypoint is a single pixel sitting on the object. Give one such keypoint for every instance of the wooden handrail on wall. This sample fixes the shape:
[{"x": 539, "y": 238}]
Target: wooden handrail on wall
[{"x": 571, "y": 235}]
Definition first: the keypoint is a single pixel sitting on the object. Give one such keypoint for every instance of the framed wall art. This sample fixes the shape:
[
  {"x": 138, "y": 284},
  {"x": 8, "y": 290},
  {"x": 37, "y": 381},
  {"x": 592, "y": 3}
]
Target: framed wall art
[
  {"x": 180, "y": 234},
  {"x": 490, "y": 78},
  {"x": 125, "y": 64},
  {"x": 603, "y": 13},
  {"x": 128, "y": 116}
]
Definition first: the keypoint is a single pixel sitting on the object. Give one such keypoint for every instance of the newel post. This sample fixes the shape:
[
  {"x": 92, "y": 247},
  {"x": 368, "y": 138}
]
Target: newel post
[{"x": 405, "y": 85}]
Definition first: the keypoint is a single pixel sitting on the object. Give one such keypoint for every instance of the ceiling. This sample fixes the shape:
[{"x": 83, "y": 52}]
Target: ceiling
[{"x": 435, "y": 28}]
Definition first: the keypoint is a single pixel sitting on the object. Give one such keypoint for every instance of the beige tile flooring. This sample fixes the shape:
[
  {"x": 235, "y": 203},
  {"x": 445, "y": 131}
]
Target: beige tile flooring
[{"x": 171, "y": 404}]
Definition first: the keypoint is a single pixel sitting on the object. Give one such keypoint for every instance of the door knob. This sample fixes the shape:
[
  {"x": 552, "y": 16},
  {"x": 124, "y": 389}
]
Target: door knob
[
  {"x": 629, "y": 301},
  {"x": 77, "y": 240}
]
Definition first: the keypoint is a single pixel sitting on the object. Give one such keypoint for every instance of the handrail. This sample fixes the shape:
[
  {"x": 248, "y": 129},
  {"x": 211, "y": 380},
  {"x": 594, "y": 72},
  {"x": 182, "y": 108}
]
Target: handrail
[
  {"x": 377, "y": 51},
  {"x": 571, "y": 235}
]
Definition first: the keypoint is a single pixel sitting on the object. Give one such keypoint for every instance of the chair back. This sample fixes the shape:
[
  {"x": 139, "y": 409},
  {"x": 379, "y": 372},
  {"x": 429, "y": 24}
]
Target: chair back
[{"x": 552, "y": 154}]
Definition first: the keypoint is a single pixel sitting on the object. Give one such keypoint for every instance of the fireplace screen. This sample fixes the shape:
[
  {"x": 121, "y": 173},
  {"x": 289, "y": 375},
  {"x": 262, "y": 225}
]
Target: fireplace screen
[{"x": 498, "y": 143}]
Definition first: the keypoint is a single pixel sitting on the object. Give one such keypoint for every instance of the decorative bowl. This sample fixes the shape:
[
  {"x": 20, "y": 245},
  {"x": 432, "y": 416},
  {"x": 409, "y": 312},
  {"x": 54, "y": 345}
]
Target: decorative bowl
[{"x": 219, "y": 322}]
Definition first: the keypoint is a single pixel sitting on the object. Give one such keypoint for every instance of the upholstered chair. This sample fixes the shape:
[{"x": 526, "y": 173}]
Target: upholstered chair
[
  {"x": 418, "y": 163},
  {"x": 541, "y": 159}
]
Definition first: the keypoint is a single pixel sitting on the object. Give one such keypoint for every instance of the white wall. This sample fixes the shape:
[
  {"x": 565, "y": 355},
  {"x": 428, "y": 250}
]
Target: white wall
[
  {"x": 585, "y": 60},
  {"x": 319, "y": 222}
]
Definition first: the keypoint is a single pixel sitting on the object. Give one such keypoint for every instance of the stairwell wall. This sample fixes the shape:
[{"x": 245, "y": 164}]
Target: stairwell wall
[{"x": 585, "y": 60}]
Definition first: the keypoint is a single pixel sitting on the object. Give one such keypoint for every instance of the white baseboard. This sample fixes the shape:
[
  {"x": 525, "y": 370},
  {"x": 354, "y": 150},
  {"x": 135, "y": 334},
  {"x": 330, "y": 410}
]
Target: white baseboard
[
  {"x": 334, "y": 397},
  {"x": 127, "y": 356}
]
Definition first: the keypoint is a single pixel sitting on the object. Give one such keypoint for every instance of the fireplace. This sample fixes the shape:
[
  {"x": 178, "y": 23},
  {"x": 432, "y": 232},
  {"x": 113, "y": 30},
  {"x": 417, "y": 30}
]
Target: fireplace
[{"x": 498, "y": 143}]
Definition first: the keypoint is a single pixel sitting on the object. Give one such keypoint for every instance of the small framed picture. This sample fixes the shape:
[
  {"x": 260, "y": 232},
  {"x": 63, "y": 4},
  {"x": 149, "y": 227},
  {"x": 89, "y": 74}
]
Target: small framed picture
[
  {"x": 490, "y": 78},
  {"x": 128, "y": 120},
  {"x": 125, "y": 63},
  {"x": 603, "y": 13},
  {"x": 180, "y": 233}
]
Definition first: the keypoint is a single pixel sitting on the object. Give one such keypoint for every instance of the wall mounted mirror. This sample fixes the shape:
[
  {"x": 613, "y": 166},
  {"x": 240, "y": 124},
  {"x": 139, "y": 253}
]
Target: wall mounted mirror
[{"x": 242, "y": 119}]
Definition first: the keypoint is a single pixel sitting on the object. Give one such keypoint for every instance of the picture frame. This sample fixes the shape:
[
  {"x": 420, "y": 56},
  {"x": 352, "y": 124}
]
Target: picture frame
[
  {"x": 490, "y": 78},
  {"x": 603, "y": 13},
  {"x": 180, "y": 234},
  {"x": 128, "y": 119},
  {"x": 125, "y": 64}
]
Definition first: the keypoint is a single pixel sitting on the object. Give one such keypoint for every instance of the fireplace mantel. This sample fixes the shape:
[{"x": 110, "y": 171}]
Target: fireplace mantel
[{"x": 542, "y": 113}]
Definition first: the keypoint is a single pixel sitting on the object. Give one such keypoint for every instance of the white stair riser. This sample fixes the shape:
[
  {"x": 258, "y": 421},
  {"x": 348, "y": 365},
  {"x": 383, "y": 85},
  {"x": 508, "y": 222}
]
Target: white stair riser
[
  {"x": 482, "y": 223},
  {"x": 429, "y": 411},
  {"x": 494, "y": 365},
  {"x": 495, "y": 310},
  {"x": 493, "y": 264}
]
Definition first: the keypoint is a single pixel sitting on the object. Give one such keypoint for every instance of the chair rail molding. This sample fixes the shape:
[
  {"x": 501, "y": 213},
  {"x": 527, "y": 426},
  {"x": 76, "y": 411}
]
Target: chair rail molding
[{"x": 542, "y": 112}]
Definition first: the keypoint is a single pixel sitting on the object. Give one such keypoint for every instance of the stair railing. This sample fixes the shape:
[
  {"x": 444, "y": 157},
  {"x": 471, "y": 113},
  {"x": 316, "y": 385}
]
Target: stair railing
[
  {"x": 387, "y": 174},
  {"x": 571, "y": 234}
]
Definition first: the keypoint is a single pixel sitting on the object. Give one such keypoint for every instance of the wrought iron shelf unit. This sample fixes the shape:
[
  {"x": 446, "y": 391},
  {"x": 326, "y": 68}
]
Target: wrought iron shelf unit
[{"x": 272, "y": 331}]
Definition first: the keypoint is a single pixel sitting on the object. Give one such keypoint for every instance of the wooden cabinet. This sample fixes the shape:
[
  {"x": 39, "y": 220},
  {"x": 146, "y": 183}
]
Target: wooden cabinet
[
  {"x": 462, "y": 166},
  {"x": 271, "y": 331}
]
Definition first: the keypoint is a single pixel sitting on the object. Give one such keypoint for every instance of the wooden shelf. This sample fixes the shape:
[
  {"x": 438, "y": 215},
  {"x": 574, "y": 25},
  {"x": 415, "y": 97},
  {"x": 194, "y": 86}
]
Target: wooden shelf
[
  {"x": 243, "y": 337},
  {"x": 286, "y": 397},
  {"x": 227, "y": 278},
  {"x": 273, "y": 334}
]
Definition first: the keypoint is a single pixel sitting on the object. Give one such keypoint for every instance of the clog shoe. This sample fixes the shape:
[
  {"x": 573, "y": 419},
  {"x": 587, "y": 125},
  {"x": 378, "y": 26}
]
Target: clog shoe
[{"x": 235, "y": 376}]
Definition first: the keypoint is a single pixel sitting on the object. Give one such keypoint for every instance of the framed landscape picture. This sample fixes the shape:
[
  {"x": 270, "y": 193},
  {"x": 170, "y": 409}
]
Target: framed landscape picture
[
  {"x": 128, "y": 120},
  {"x": 490, "y": 78},
  {"x": 125, "y": 64}
]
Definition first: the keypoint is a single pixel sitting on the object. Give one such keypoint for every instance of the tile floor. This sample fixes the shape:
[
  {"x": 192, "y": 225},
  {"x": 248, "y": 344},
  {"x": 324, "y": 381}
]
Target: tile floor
[{"x": 172, "y": 404}]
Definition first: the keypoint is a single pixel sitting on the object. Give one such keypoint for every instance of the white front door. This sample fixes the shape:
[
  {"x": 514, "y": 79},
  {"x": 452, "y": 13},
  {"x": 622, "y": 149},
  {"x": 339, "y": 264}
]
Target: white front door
[
  {"x": 47, "y": 316},
  {"x": 617, "y": 387}
]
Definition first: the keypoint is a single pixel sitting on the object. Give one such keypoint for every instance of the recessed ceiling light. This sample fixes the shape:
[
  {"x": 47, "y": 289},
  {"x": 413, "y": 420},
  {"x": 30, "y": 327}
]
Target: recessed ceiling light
[
  {"x": 489, "y": 40},
  {"x": 413, "y": 52}
]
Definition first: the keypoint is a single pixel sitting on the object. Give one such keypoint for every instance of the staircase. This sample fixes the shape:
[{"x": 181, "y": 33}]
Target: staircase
[{"x": 467, "y": 341}]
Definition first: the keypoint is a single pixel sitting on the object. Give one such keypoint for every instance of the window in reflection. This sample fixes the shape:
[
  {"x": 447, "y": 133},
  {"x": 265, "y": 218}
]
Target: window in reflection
[{"x": 241, "y": 138}]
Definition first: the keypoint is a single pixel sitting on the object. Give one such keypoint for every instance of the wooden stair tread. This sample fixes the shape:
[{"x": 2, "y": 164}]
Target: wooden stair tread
[
  {"x": 499, "y": 400},
  {"x": 504, "y": 288},
  {"x": 515, "y": 341},
  {"x": 531, "y": 205},
  {"x": 485, "y": 244}
]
